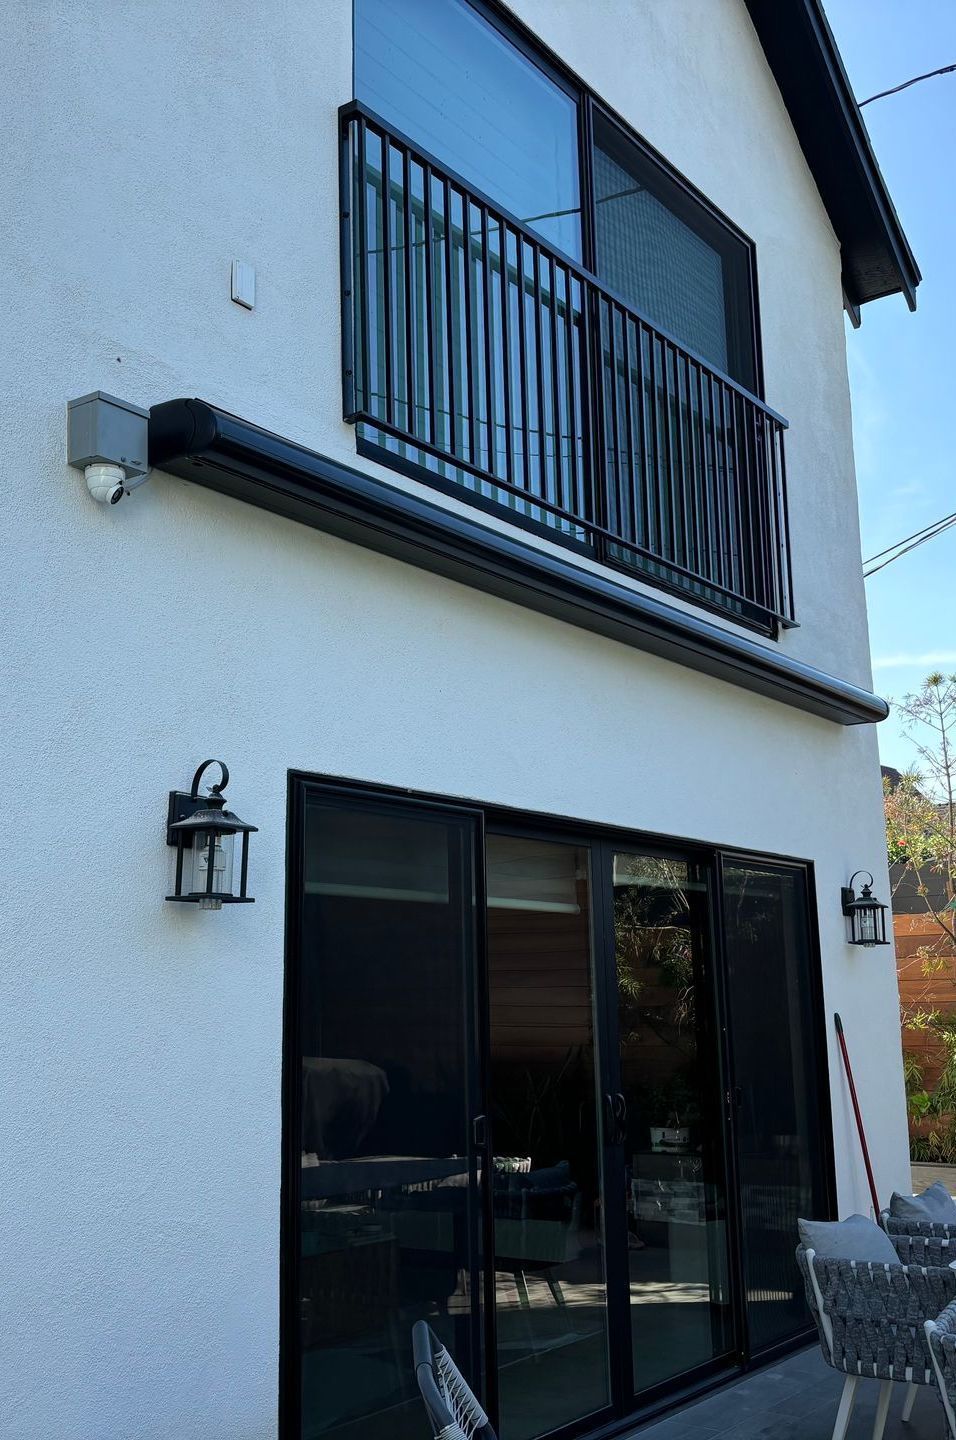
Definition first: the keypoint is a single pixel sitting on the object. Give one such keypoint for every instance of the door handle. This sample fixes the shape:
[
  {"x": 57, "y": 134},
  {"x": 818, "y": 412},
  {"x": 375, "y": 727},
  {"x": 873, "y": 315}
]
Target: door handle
[
  {"x": 479, "y": 1132},
  {"x": 615, "y": 1108},
  {"x": 610, "y": 1119}
]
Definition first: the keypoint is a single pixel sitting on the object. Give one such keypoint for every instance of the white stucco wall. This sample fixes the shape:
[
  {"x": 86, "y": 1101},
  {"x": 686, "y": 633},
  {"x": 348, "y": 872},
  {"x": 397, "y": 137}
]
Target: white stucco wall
[{"x": 146, "y": 146}]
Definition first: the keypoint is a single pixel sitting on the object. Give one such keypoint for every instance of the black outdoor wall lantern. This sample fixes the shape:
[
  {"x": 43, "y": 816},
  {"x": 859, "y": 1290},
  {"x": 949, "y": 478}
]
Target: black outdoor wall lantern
[
  {"x": 204, "y": 834},
  {"x": 866, "y": 914}
]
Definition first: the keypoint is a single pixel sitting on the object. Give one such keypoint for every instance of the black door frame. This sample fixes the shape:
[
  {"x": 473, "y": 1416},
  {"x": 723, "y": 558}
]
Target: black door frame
[{"x": 623, "y": 1414}]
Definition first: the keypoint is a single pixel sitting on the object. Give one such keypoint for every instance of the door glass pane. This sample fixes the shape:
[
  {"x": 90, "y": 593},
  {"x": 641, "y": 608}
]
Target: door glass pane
[
  {"x": 780, "y": 1160},
  {"x": 549, "y": 1282},
  {"x": 668, "y": 255},
  {"x": 447, "y": 78},
  {"x": 671, "y": 1119},
  {"x": 388, "y": 1217}
]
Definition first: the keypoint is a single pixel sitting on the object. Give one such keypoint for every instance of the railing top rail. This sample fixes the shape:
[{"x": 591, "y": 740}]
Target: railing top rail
[{"x": 355, "y": 109}]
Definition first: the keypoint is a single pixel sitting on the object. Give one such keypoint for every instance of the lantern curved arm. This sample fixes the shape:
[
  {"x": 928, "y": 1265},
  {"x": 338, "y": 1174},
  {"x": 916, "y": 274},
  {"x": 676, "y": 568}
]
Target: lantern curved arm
[
  {"x": 867, "y": 886},
  {"x": 216, "y": 789}
]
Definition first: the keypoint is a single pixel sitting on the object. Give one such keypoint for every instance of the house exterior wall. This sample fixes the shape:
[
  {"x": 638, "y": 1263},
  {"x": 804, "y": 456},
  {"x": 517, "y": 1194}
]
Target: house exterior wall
[{"x": 149, "y": 146}]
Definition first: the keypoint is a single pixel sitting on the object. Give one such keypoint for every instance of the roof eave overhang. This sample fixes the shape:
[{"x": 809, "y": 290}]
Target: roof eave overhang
[{"x": 802, "y": 54}]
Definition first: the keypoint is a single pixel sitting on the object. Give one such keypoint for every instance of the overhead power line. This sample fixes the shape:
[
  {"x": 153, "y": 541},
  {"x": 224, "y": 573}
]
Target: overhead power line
[
  {"x": 908, "y": 543},
  {"x": 943, "y": 70}
]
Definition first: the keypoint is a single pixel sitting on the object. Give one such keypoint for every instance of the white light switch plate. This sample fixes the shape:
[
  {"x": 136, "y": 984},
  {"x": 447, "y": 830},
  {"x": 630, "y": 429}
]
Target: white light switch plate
[{"x": 243, "y": 284}]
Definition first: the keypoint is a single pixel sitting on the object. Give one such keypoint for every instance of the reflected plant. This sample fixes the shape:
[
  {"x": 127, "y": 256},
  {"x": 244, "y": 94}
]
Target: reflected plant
[{"x": 652, "y": 932}]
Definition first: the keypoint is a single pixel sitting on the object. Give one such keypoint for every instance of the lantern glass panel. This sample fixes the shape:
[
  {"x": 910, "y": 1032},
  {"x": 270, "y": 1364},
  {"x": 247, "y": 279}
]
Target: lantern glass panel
[
  {"x": 223, "y": 858},
  {"x": 866, "y": 920}
]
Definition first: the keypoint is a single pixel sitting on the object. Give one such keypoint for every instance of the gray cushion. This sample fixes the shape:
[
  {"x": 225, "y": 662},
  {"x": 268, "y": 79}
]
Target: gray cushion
[
  {"x": 854, "y": 1239},
  {"x": 935, "y": 1203}
]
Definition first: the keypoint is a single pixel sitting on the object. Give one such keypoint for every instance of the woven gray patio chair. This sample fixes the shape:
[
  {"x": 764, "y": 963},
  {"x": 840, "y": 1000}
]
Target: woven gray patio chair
[
  {"x": 941, "y": 1334},
  {"x": 871, "y": 1319},
  {"x": 924, "y": 1229},
  {"x": 452, "y": 1409}
]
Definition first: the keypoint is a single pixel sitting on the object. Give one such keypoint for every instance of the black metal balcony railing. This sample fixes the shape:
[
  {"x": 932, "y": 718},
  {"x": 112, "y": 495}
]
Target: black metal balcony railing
[{"x": 507, "y": 370}]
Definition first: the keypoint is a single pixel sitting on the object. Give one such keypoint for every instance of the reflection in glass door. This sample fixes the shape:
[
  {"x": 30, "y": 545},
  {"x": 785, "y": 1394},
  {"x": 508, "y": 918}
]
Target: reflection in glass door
[
  {"x": 669, "y": 1118},
  {"x": 781, "y": 1164},
  {"x": 550, "y": 1291},
  {"x": 386, "y": 1228}
]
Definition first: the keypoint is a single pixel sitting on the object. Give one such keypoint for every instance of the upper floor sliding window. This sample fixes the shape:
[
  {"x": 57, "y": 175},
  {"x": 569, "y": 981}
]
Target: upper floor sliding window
[
  {"x": 442, "y": 72},
  {"x": 540, "y": 313},
  {"x": 447, "y": 77}
]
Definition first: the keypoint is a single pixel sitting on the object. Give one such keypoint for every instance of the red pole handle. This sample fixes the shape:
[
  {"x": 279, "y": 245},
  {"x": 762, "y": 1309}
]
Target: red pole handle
[{"x": 856, "y": 1111}]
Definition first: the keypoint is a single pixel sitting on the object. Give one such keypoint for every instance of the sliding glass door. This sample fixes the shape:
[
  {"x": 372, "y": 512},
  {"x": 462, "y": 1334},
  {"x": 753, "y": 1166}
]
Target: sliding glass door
[
  {"x": 561, "y": 1095},
  {"x": 550, "y": 1291},
  {"x": 778, "y": 1084},
  {"x": 670, "y": 1124},
  {"x": 387, "y": 1054}
]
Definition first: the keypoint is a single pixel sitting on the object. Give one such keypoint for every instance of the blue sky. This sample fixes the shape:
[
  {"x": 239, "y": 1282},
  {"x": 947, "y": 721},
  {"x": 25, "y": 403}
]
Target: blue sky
[{"x": 903, "y": 366}]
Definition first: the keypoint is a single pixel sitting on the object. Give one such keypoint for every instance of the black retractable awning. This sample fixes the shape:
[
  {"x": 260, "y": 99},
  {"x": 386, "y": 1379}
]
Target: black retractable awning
[{"x": 194, "y": 440}]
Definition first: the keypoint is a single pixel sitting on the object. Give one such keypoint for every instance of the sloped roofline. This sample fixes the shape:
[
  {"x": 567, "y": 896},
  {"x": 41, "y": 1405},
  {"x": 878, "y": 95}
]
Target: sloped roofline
[{"x": 806, "y": 64}]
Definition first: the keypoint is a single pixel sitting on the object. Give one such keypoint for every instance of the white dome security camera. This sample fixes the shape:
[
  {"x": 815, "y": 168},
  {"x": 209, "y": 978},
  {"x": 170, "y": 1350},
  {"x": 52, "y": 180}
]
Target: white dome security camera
[
  {"x": 108, "y": 439},
  {"x": 106, "y": 483}
]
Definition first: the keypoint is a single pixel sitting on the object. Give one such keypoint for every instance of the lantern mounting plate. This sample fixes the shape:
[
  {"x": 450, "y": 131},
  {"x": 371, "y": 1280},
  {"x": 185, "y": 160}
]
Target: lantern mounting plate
[{"x": 182, "y": 806}]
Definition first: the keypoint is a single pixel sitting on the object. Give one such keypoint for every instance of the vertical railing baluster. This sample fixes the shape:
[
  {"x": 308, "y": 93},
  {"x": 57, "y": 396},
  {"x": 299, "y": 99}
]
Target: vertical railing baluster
[
  {"x": 539, "y": 373},
  {"x": 473, "y": 452},
  {"x": 758, "y": 588},
  {"x": 682, "y": 553},
  {"x": 592, "y": 410},
  {"x": 348, "y": 204},
  {"x": 728, "y": 406},
  {"x": 363, "y": 252},
  {"x": 629, "y": 429},
  {"x": 669, "y": 452},
  {"x": 693, "y": 470},
  {"x": 657, "y": 490},
  {"x": 488, "y": 347},
  {"x": 775, "y": 526},
  {"x": 569, "y": 373},
  {"x": 431, "y": 359},
  {"x": 523, "y": 362},
  {"x": 706, "y": 508},
  {"x": 613, "y": 519},
  {"x": 411, "y": 410},
  {"x": 783, "y": 532},
  {"x": 506, "y": 347},
  {"x": 644, "y": 536},
  {"x": 560, "y": 492},
  {"x": 387, "y": 273},
  {"x": 450, "y": 271},
  {"x": 720, "y": 549}
]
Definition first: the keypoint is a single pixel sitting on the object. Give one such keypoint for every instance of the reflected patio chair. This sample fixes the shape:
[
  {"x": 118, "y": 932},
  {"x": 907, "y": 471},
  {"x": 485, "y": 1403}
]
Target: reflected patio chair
[
  {"x": 453, "y": 1411},
  {"x": 871, "y": 1319}
]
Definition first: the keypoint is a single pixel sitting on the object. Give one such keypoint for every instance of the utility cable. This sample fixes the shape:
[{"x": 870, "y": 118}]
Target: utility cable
[
  {"x": 906, "y": 538},
  {"x": 921, "y": 538},
  {"x": 943, "y": 70}
]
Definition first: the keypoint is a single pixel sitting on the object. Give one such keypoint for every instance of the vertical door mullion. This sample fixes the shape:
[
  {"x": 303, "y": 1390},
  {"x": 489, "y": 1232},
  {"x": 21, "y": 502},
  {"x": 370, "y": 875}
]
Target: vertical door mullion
[
  {"x": 483, "y": 1263},
  {"x": 614, "y": 1196},
  {"x": 735, "y": 1232}
]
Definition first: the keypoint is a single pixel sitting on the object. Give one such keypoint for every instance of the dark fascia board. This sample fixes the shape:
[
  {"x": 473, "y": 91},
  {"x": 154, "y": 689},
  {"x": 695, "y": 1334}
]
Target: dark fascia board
[
  {"x": 809, "y": 72},
  {"x": 198, "y": 442}
]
